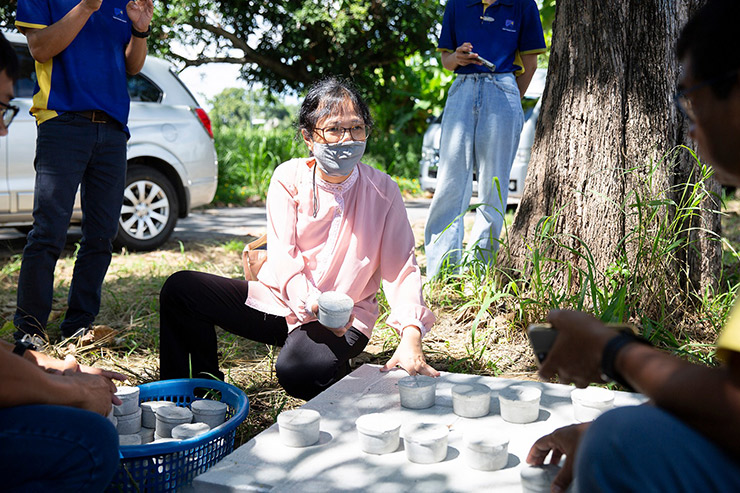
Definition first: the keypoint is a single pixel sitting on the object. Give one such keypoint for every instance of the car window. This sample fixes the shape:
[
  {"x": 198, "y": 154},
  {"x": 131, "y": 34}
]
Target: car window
[
  {"x": 23, "y": 87},
  {"x": 142, "y": 89}
]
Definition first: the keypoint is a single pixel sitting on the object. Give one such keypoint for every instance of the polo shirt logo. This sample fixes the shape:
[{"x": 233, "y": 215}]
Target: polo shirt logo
[
  {"x": 118, "y": 14},
  {"x": 509, "y": 26}
]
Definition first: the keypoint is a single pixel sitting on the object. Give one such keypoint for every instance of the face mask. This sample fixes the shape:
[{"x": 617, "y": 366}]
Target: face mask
[{"x": 338, "y": 159}]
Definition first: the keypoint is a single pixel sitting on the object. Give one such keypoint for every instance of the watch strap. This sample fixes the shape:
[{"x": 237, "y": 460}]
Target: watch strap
[
  {"x": 139, "y": 34},
  {"x": 609, "y": 357}
]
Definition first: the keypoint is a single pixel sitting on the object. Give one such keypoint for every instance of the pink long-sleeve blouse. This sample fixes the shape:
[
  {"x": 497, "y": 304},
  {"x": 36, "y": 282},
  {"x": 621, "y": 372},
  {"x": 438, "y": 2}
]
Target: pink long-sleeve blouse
[{"x": 359, "y": 237}]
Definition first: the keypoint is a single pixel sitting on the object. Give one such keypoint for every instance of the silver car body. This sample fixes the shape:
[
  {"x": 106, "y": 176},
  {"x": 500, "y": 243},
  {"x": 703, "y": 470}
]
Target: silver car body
[
  {"x": 430, "y": 146},
  {"x": 166, "y": 136}
]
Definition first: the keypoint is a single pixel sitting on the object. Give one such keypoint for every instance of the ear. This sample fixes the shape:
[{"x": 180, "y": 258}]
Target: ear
[{"x": 307, "y": 139}]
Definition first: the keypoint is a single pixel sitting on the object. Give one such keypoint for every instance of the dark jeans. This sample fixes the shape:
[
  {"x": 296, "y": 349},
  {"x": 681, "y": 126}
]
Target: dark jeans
[
  {"x": 56, "y": 448},
  {"x": 192, "y": 303},
  {"x": 71, "y": 151}
]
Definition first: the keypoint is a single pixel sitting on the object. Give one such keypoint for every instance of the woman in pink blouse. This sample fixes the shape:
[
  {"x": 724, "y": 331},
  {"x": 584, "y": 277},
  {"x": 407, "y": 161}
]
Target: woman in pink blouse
[{"x": 333, "y": 224}]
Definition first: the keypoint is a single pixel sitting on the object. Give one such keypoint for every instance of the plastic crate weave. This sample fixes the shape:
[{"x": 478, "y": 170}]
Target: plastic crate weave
[{"x": 169, "y": 466}]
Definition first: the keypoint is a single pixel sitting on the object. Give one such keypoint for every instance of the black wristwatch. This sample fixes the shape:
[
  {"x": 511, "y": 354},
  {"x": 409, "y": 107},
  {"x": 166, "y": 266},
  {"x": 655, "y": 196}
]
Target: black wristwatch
[
  {"x": 139, "y": 34},
  {"x": 609, "y": 357},
  {"x": 23, "y": 345}
]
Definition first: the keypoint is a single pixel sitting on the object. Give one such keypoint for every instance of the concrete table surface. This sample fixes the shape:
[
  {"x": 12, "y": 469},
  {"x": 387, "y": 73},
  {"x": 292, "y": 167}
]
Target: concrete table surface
[{"x": 336, "y": 463}]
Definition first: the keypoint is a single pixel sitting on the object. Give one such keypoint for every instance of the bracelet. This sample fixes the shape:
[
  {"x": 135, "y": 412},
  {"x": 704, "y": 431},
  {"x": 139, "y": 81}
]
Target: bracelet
[
  {"x": 609, "y": 357},
  {"x": 139, "y": 34}
]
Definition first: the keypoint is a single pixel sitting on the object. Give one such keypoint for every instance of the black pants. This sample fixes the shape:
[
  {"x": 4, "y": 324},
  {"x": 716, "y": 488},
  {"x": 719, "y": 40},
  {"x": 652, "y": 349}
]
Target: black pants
[{"x": 192, "y": 303}]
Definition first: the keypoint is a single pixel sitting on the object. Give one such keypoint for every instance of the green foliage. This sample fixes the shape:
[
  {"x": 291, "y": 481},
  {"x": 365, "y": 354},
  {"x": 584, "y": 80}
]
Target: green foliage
[
  {"x": 643, "y": 269},
  {"x": 291, "y": 44},
  {"x": 248, "y": 156},
  {"x": 239, "y": 107}
]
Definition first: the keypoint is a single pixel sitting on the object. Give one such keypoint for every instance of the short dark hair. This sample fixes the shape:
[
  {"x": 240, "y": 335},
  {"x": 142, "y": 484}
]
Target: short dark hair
[
  {"x": 8, "y": 59},
  {"x": 326, "y": 96},
  {"x": 710, "y": 41}
]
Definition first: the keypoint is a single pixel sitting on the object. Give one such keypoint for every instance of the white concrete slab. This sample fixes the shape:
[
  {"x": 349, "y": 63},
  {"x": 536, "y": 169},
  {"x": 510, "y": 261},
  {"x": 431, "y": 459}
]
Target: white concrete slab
[{"x": 336, "y": 463}]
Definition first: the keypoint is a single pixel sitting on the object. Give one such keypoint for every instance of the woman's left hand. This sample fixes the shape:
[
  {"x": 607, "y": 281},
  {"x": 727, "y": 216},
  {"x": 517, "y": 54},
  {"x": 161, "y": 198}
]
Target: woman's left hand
[{"x": 409, "y": 356}]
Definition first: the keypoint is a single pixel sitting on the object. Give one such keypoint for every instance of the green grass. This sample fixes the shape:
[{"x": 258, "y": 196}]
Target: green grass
[{"x": 248, "y": 156}]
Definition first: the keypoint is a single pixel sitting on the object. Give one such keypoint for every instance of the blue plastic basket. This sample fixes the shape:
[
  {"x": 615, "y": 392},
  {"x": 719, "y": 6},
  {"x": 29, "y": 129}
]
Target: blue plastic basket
[{"x": 171, "y": 465}]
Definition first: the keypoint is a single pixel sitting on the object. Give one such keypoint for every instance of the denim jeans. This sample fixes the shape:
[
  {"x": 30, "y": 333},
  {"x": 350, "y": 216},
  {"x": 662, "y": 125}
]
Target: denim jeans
[
  {"x": 646, "y": 449},
  {"x": 71, "y": 151},
  {"x": 481, "y": 125},
  {"x": 56, "y": 448}
]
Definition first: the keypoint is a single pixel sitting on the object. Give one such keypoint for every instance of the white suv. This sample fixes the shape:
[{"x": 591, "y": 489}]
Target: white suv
[{"x": 172, "y": 164}]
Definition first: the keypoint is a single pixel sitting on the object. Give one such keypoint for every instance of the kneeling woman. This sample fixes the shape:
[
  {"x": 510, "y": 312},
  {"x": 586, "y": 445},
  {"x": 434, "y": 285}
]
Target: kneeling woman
[{"x": 333, "y": 224}]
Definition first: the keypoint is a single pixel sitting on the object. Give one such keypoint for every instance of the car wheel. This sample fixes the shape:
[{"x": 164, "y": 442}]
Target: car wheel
[{"x": 149, "y": 210}]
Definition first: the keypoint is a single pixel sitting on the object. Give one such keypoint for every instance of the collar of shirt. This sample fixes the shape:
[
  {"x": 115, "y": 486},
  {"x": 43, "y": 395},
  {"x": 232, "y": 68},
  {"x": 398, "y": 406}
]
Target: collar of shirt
[
  {"x": 472, "y": 3},
  {"x": 338, "y": 188}
]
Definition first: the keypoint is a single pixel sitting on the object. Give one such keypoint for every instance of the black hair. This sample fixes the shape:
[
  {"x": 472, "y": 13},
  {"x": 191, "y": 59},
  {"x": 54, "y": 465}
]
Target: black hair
[
  {"x": 8, "y": 59},
  {"x": 710, "y": 41},
  {"x": 325, "y": 97}
]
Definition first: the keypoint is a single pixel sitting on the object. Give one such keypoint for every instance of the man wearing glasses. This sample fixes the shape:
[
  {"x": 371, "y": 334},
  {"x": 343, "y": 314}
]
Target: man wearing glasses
[
  {"x": 689, "y": 438},
  {"x": 83, "y": 52}
]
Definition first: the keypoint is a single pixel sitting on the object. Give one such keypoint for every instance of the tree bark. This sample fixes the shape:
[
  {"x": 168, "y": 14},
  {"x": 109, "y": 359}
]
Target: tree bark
[{"x": 608, "y": 116}]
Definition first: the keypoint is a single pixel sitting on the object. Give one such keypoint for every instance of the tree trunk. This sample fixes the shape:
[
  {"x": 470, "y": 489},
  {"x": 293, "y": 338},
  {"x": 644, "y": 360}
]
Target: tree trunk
[{"x": 607, "y": 118}]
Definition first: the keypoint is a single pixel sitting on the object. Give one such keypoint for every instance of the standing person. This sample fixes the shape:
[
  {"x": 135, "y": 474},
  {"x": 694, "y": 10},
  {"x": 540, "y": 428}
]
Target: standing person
[
  {"x": 53, "y": 433},
  {"x": 688, "y": 439},
  {"x": 83, "y": 51},
  {"x": 481, "y": 123},
  {"x": 333, "y": 224}
]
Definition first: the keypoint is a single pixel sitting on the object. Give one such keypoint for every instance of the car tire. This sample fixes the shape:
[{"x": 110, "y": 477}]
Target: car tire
[{"x": 149, "y": 210}]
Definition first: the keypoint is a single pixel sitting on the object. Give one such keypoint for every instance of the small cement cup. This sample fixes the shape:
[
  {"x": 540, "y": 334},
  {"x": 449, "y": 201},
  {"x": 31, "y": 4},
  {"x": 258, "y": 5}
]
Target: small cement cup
[
  {"x": 417, "y": 392},
  {"x": 210, "y": 412},
  {"x": 189, "y": 430},
  {"x": 538, "y": 479},
  {"x": 378, "y": 434},
  {"x": 335, "y": 308},
  {"x": 471, "y": 400},
  {"x": 520, "y": 403},
  {"x": 148, "y": 412},
  {"x": 129, "y": 400},
  {"x": 146, "y": 434},
  {"x": 129, "y": 424},
  {"x": 425, "y": 443},
  {"x": 486, "y": 449},
  {"x": 299, "y": 427},
  {"x": 170, "y": 416},
  {"x": 590, "y": 402},
  {"x": 134, "y": 439}
]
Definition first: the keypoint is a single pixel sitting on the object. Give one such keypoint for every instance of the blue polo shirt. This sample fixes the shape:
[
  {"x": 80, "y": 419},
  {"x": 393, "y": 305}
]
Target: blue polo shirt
[
  {"x": 90, "y": 74},
  {"x": 499, "y": 33}
]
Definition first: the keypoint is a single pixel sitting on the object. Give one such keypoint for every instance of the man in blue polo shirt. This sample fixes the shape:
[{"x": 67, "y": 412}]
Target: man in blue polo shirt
[
  {"x": 492, "y": 45},
  {"x": 83, "y": 51}
]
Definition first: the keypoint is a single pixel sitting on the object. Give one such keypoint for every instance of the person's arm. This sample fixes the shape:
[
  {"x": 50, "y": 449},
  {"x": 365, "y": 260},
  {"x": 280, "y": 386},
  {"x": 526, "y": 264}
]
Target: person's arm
[
  {"x": 46, "y": 43},
  {"x": 25, "y": 383},
  {"x": 462, "y": 56},
  {"x": 140, "y": 12},
  {"x": 530, "y": 65},
  {"x": 403, "y": 289},
  {"x": 708, "y": 399}
]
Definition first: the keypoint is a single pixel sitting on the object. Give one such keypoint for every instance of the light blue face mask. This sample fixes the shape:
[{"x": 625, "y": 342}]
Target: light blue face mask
[{"x": 338, "y": 159}]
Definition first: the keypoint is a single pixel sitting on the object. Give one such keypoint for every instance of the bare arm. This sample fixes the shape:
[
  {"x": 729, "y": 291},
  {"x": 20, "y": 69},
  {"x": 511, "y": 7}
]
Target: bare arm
[
  {"x": 140, "y": 12},
  {"x": 707, "y": 399},
  {"x": 48, "y": 42},
  {"x": 530, "y": 65},
  {"x": 25, "y": 383}
]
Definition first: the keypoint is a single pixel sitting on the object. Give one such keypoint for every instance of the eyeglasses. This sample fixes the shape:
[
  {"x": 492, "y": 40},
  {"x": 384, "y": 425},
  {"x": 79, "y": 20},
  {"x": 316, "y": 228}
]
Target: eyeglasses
[
  {"x": 335, "y": 134},
  {"x": 684, "y": 103},
  {"x": 8, "y": 112}
]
